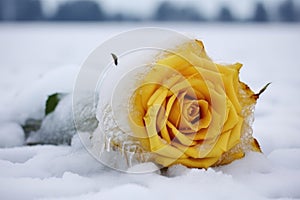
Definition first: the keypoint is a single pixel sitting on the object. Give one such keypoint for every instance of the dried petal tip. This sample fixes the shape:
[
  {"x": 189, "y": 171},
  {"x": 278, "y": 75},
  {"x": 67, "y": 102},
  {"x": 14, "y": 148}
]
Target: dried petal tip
[
  {"x": 115, "y": 58},
  {"x": 256, "y": 96},
  {"x": 256, "y": 146}
]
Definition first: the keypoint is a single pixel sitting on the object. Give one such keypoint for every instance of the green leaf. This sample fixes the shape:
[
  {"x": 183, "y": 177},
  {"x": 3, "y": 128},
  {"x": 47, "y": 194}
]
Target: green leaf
[{"x": 52, "y": 102}]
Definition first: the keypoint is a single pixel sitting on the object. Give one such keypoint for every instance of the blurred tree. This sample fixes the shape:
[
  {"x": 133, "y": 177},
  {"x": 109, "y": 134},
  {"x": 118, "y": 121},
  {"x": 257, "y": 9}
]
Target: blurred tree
[
  {"x": 225, "y": 14},
  {"x": 21, "y": 10},
  {"x": 260, "y": 13},
  {"x": 117, "y": 17},
  {"x": 80, "y": 11},
  {"x": 191, "y": 14},
  {"x": 27, "y": 10},
  {"x": 122, "y": 17},
  {"x": 1, "y": 10},
  {"x": 287, "y": 11},
  {"x": 8, "y": 10},
  {"x": 166, "y": 11}
]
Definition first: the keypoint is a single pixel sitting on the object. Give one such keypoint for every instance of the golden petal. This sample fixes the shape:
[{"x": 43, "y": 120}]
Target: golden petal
[
  {"x": 255, "y": 146},
  {"x": 165, "y": 134},
  {"x": 189, "y": 162},
  {"x": 232, "y": 117},
  {"x": 179, "y": 136},
  {"x": 235, "y": 134}
]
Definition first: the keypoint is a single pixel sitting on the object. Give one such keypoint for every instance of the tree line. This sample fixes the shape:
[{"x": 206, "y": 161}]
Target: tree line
[{"x": 88, "y": 10}]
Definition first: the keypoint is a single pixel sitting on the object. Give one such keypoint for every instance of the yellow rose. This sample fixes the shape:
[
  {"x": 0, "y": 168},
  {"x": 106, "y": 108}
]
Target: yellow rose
[{"x": 189, "y": 110}]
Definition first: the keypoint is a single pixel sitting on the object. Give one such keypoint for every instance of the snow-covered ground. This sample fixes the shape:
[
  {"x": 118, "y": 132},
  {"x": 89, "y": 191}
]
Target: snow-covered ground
[{"x": 37, "y": 60}]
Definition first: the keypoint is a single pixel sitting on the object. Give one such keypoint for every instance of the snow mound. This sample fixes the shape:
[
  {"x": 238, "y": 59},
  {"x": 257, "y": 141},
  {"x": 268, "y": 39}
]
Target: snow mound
[{"x": 11, "y": 134}]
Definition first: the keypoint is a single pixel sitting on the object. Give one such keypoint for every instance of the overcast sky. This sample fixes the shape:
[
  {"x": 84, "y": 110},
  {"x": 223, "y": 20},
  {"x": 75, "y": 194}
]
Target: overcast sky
[{"x": 240, "y": 8}]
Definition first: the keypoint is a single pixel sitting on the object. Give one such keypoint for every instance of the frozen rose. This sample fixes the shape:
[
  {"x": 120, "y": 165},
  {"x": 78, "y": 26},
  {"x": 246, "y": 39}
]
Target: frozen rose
[{"x": 189, "y": 110}]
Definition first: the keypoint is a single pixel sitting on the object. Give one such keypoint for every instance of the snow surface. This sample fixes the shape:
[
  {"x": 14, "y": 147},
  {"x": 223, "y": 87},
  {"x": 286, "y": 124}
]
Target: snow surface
[{"x": 38, "y": 60}]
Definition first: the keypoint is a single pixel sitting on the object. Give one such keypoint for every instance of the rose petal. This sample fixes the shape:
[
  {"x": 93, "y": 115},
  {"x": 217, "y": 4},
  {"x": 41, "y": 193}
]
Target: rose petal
[
  {"x": 176, "y": 62},
  {"x": 232, "y": 117},
  {"x": 180, "y": 137},
  {"x": 235, "y": 134},
  {"x": 158, "y": 145},
  {"x": 165, "y": 134},
  {"x": 175, "y": 112},
  {"x": 205, "y": 115},
  {"x": 194, "y": 86},
  {"x": 231, "y": 83},
  {"x": 158, "y": 97},
  {"x": 189, "y": 162}
]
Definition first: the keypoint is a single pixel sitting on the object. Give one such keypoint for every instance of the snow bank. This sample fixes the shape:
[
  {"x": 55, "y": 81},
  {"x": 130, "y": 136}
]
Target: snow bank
[
  {"x": 29, "y": 103},
  {"x": 65, "y": 172},
  {"x": 11, "y": 134}
]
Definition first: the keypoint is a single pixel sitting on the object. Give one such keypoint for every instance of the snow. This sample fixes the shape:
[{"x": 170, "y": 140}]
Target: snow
[
  {"x": 11, "y": 135},
  {"x": 38, "y": 60}
]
